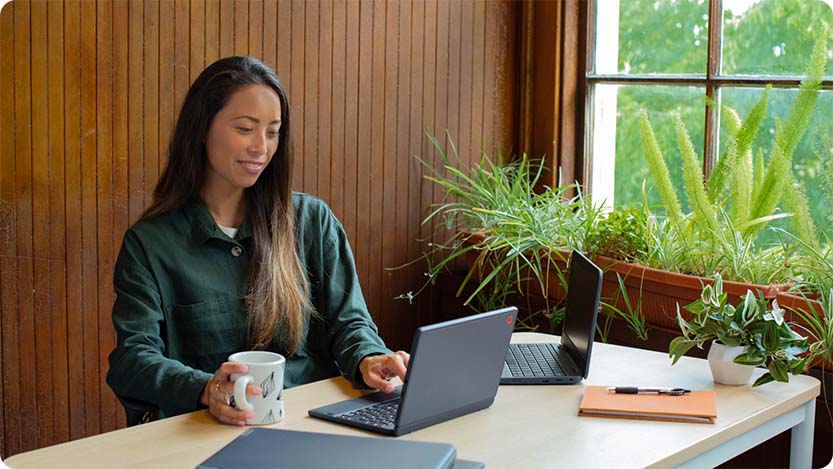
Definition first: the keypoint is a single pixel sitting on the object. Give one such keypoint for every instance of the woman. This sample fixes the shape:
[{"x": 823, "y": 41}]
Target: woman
[{"x": 228, "y": 258}]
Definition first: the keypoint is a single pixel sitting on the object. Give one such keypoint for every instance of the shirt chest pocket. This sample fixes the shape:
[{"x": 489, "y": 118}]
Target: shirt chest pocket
[{"x": 207, "y": 333}]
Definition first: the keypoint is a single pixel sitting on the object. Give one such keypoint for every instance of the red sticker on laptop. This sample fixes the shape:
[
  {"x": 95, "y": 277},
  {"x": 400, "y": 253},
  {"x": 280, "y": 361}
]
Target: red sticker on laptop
[{"x": 508, "y": 319}]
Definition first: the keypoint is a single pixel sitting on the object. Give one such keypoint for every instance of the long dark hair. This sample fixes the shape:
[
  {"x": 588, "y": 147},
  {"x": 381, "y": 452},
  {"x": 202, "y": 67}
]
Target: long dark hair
[{"x": 277, "y": 291}]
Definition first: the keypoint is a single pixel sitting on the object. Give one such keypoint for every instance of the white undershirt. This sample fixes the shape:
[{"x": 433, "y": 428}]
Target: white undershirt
[{"x": 231, "y": 232}]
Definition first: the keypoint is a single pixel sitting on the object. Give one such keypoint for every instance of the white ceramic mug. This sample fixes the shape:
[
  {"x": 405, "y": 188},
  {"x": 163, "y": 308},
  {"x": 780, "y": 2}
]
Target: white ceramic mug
[{"x": 265, "y": 370}]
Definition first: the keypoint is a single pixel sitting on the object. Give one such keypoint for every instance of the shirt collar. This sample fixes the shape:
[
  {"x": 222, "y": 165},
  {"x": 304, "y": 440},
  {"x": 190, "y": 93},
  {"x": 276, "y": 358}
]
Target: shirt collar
[{"x": 204, "y": 227}]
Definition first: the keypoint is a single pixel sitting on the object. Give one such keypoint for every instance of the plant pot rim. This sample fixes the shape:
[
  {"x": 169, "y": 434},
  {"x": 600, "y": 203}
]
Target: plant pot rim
[{"x": 684, "y": 280}]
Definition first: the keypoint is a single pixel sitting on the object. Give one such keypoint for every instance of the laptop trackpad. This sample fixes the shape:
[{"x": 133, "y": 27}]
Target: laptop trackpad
[{"x": 360, "y": 402}]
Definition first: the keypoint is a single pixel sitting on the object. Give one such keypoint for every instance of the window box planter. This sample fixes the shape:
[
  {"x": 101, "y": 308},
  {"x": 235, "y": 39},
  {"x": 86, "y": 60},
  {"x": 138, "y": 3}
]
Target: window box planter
[{"x": 660, "y": 291}]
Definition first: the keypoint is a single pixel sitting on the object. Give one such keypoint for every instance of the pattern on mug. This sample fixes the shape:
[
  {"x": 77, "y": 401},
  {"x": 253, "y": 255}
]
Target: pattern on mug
[
  {"x": 268, "y": 385},
  {"x": 270, "y": 417}
]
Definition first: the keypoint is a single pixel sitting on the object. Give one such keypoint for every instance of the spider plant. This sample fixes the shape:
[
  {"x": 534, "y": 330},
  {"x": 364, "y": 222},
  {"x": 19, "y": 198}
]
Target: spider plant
[{"x": 494, "y": 214}]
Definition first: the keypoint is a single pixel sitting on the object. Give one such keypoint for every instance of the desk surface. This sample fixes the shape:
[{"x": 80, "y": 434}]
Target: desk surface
[{"x": 527, "y": 426}]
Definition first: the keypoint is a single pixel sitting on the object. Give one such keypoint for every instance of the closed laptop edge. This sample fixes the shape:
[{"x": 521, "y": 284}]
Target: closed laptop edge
[
  {"x": 444, "y": 352},
  {"x": 276, "y": 448}
]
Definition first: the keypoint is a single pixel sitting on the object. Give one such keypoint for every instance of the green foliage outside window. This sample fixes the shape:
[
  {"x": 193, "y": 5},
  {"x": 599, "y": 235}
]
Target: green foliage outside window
[{"x": 771, "y": 37}]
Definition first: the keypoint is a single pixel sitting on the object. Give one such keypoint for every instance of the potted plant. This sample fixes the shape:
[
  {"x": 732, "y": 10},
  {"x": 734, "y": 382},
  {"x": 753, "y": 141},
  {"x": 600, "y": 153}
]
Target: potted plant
[
  {"x": 728, "y": 210},
  {"x": 515, "y": 241},
  {"x": 754, "y": 333}
]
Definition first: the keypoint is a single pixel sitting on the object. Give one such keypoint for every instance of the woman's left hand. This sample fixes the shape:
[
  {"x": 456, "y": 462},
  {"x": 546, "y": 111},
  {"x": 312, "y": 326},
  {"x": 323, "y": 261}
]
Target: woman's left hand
[{"x": 377, "y": 370}]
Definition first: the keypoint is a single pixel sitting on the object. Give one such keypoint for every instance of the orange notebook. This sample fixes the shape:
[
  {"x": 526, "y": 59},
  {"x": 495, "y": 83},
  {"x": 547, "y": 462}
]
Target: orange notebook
[{"x": 696, "y": 406}]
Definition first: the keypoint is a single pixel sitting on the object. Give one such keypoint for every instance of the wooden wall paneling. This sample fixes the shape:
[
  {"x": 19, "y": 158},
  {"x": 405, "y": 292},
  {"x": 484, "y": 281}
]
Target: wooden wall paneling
[
  {"x": 8, "y": 283},
  {"x": 571, "y": 67},
  {"x": 363, "y": 183},
  {"x": 463, "y": 138},
  {"x": 182, "y": 55},
  {"x": 103, "y": 207},
  {"x": 385, "y": 192},
  {"x": 42, "y": 333},
  {"x": 422, "y": 147},
  {"x": 352, "y": 86},
  {"x": 506, "y": 71},
  {"x": 284, "y": 44},
  {"x": 6, "y": 201},
  {"x": 490, "y": 53},
  {"x": 59, "y": 363},
  {"x": 308, "y": 119},
  {"x": 454, "y": 78},
  {"x": 135, "y": 110},
  {"x": 478, "y": 73},
  {"x": 440, "y": 119},
  {"x": 8, "y": 241},
  {"x": 337, "y": 113},
  {"x": 323, "y": 131},
  {"x": 412, "y": 276},
  {"x": 72, "y": 165},
  {"x": 296, "y": 90},
  {"x": 227, "y": 12},
  {"x": 397, "y": 276},
  {"x": 152, "y": 128},
  {"x": 197, "y": 49},
  {"x": 167, "y": 92},
  {"x": 120, "y": 180},
  {"x": 376, "y": 156},
  {"x": 270, "y": 34},
  {"x": 255, "y": 29},
  {"x": 81, "y": 151},
  {"x": 212, "y": 34},
  {"x": 241, "y": 27},
  {"x": 541, "y": 113},
  {"x": 90, "y": 400},
  {"x": 23, "y": 219}
]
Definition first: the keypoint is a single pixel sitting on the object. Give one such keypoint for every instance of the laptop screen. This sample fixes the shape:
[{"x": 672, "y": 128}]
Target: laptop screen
[{"x": 584, "y": 289}]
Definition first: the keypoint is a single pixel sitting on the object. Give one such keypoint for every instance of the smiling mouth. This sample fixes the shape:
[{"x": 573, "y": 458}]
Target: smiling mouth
[{"x": 251, "y": 166}]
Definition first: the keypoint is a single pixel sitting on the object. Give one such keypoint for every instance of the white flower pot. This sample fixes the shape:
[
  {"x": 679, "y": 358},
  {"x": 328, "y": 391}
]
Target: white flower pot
[{"x": 724, "y": 370}]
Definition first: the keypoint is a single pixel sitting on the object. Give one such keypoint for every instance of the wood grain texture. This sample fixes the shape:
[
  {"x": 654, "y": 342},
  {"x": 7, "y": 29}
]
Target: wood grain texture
[
  {"x": 89, "y": 93},
  {"x": 59, "y": 362}
]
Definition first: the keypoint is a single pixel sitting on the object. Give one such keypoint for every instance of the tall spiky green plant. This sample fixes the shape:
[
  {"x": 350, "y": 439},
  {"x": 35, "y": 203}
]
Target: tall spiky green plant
[
  {"x": 705, "y": 213},
  {"x": 766, "y": 196},
  {"x": 795, "y": 202},
  {"x": 659, "y": 169},
  {"x": 742, "y": 134}
]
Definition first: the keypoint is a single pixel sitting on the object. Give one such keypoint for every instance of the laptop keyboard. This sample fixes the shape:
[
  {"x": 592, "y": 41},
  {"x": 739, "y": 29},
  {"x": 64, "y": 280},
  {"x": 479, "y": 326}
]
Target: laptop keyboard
[
  {"x": 382, "y": 415},
  {"x": 534, "y": 360}
]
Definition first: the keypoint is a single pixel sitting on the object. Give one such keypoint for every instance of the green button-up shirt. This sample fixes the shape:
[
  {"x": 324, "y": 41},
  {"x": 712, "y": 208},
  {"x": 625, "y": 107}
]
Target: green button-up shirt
[{"x": 179, "y": 310}]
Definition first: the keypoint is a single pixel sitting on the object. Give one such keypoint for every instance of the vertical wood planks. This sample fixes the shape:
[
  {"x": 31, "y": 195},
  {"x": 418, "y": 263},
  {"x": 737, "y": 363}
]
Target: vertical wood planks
[
  {"x": 89, "y": 94},
  {"x": 72, "y": 169},
  {"x": 59, "y": 363},
  {"x": 103, "y": 184},
  {"x": 120, "y": 181},
  {"x": 42, "y": 333}
]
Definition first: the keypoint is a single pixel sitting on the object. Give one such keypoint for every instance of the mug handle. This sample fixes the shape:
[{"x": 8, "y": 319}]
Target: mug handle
[{"x": 240, "y": 392}]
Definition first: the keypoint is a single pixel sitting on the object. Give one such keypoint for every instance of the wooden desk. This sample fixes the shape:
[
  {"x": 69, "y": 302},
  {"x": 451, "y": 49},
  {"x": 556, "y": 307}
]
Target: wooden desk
[{"x": 527, "y": 426}]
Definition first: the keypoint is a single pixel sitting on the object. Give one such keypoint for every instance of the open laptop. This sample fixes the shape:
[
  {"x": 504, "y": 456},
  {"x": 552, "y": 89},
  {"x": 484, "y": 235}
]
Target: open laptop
[
  {"x": 454, "y": 370},
  {"x": 569, "y": 361}
]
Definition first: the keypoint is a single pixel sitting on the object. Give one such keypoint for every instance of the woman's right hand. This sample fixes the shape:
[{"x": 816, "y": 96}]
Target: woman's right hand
[{"x": 218, "y": 391}]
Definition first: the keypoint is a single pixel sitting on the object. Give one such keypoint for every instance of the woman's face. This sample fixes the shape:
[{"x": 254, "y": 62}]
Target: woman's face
[{"x": 242, "y": 139}]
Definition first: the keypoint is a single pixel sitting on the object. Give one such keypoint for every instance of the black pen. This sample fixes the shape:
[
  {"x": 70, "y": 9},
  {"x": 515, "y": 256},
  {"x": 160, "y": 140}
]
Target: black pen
[{"x": 637, "y": 390}]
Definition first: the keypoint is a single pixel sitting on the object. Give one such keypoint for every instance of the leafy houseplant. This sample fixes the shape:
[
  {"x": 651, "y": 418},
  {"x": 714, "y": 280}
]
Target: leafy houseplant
[{"x": 753, "y": 324}]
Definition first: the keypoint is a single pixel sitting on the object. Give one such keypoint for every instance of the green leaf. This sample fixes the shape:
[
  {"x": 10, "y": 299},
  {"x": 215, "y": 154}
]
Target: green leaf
[
  {"x": 659, "y": 170},
  {"x": 678, "y": 347},
  {"x": 778, "y": 370},
  {"x": 765, "y": 378}
]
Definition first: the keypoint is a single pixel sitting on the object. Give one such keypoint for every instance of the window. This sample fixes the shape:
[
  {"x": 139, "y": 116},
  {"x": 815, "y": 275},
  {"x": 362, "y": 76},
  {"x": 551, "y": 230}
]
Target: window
[{"x": 673, "y": 56}]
